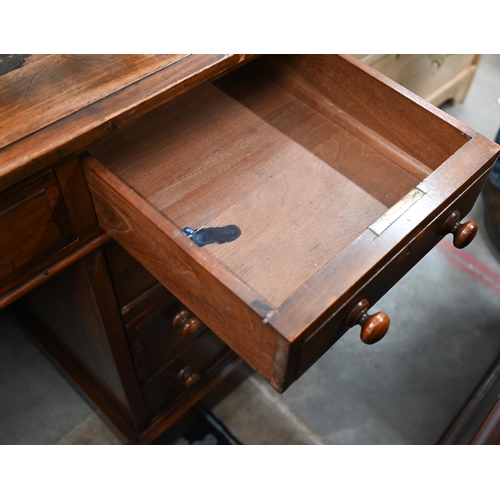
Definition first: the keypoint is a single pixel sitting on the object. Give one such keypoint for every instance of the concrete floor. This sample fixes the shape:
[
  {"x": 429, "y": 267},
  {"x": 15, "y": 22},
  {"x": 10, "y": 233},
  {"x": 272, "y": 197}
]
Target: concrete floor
[{"x": 445, "y": 331}]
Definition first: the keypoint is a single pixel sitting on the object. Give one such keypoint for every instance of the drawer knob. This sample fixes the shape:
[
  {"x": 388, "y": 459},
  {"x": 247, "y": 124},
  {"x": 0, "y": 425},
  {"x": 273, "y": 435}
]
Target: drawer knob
[
  {"x": 463, "y": 234},
  {"x": 373, "y": 326},
  {"x": 187, "y": 325},
  {"x": 188, "y": 376}
]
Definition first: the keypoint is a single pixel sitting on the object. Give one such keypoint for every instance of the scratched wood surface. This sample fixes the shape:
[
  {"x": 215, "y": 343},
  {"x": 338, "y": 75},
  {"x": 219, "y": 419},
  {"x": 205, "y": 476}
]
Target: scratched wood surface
[
  {"x": 299, "y": 187},
  {"x": 71, "y": 134},
  {"x": 11, "y": 62},
  {"x": 52, "y": 87}
]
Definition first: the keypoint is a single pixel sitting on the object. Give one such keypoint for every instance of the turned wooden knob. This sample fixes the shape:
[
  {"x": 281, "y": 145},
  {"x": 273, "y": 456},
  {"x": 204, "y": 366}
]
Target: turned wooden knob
[
  {"x": 188, "y": 376},
  {"x": 187, "y": 325},
  {"x": 463, "y": 234},
  {"x": 373, "y": 326}
]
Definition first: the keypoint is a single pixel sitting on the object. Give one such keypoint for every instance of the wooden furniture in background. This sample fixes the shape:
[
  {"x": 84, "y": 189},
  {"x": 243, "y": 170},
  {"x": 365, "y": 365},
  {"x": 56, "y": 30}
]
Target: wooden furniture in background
[
  {"x": 333, "y": 180},
  {"x": 437, "y": 78},
  {"x": 478, "y": 422}
]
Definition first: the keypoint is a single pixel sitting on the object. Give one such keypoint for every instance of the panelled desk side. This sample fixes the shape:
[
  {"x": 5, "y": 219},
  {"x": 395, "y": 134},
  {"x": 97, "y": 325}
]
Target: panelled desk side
[{"x": 52, "y": 245}]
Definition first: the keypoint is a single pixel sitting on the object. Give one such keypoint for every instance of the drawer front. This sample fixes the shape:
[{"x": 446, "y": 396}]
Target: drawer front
[
  {"x": 185, "y": 374},
  {"x": 42, "y": 220},
  {"x": 157, "y": 336},
  {"x": 321, "y": 340},
  {"x": 34, "y": 222},
  {"x": 130, "y": 279}
]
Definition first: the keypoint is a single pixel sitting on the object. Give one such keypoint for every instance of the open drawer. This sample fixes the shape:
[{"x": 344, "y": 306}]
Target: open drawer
[{"x": 282, "y": 200}]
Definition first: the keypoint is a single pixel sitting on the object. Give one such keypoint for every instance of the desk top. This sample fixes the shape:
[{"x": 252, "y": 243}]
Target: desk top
[{"x": 53, "y": 106}]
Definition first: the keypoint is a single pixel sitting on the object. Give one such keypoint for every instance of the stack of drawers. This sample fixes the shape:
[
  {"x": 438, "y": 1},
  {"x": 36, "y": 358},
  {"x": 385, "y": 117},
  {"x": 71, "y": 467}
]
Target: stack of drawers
[{"x": 174, "y": 353}]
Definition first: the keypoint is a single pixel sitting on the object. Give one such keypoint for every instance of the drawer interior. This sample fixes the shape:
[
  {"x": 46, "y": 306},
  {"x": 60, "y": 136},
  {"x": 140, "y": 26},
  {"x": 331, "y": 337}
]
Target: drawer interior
[
  {"x": 269, "y": 199},
  {"x": 296, "y": 157}
]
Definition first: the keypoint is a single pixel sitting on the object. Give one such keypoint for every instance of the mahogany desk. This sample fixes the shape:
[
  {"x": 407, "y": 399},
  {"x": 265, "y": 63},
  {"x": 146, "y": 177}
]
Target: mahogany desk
[{"x": 329, "y": 182}]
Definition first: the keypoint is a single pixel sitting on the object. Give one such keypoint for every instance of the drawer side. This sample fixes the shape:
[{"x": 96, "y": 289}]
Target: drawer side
[{"x": 225, "y": 305}]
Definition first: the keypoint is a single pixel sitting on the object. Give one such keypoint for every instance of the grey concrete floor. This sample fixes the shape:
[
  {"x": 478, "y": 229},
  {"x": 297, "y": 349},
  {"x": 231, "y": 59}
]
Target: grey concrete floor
[
  {"x": 445, "y": 331},
  {"x": 37, "y": 406}
]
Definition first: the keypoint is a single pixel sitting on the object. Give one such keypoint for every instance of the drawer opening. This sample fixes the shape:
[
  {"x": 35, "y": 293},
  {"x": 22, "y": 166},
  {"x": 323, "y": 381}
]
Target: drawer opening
[{"x": 271, "y": 153}]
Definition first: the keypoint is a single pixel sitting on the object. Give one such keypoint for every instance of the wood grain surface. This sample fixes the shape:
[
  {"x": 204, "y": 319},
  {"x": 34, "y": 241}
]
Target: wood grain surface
[
  {"x": 56, "y": 86},
  {"x": 11, "y": 62},
  {"x": 70, "y": 134},
  {"x": 266, "y": 162},
  {"x": 396, "y": 116}
]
